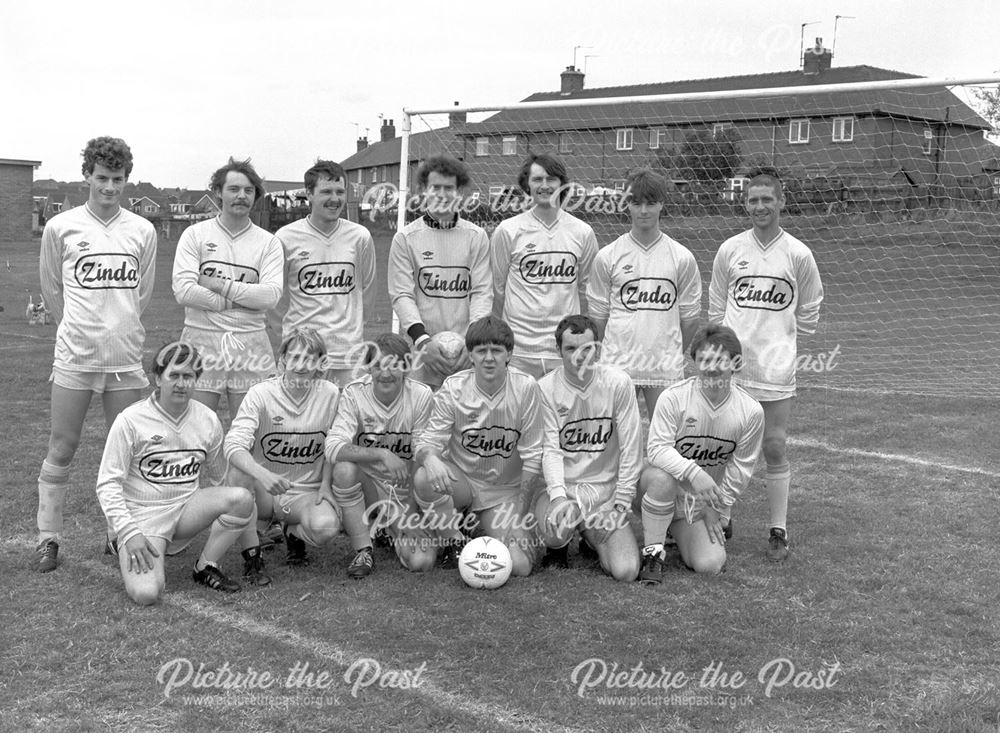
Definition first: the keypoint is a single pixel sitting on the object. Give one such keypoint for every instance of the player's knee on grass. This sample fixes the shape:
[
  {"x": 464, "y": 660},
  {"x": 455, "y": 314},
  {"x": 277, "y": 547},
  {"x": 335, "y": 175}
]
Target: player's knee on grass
[
  {"x": 320, "y": 525},
  {"x": 144, "y": 589},
  {"x": 619, "y": 555},
  {"x": 707, "y": 561},
  {"x": 560, "y": 535},
  {"x": 240, "y": 502},
  {"x": 774, "y": 448},
  {"x": 520, "y": 561},
  {"x": 416, "y": 555},
  {"x": 657, "y": 484}
]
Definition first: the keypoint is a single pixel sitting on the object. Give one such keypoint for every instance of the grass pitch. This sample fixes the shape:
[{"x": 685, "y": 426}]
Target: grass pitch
[{"x": 884, "y": 618}]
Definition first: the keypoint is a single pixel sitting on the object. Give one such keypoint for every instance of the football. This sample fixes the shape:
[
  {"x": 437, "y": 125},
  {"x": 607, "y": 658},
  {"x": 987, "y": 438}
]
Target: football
[
  {"x": 485, "y": 563},
  {"x": 451, "y": 344}
]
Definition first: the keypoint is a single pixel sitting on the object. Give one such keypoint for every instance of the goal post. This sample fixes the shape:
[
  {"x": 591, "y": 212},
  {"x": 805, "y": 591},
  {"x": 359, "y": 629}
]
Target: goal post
[{"x": 892, "y": 183}]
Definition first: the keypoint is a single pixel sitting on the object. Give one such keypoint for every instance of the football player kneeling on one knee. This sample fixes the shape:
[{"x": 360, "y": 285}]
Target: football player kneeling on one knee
[
  {"x": 157, "y": 453},
  {"x": 704, "y": 437},
  {"x": 591, "y": 455},
  {"x": 482, "y": 449}
]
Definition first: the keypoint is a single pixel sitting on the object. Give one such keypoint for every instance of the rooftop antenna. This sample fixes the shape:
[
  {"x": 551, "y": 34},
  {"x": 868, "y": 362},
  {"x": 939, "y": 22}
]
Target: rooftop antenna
[
  {"x": 802, "y": 40},
  {"x": 575, "y": 49},
  {"x": 836, "y": 19}
]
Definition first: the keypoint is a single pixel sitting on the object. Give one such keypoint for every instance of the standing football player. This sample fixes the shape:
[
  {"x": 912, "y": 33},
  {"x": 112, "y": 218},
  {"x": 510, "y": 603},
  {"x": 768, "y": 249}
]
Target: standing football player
[
  {"x": 541, "y": 260},
  {"x": 439, "y": 268},
  {"x": 96, "y": 268},
  {"x": 767, "y": 288},
  {"x": 158, "y": 483},
  {"x": 277, "y": 441},
  {"x": 371, "y": 448},
  {"x": 645, "y": 294},
  {"x": 227, "y": 275},
  {"x": 704, "y": 438},
  {"x": 591, "y": 458},
  {"x": 482, "y": 449},
  {"x": 329, "y": 269}
]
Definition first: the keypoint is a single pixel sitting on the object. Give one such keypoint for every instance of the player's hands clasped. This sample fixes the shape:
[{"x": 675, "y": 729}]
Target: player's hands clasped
[
  {"x": 561, "y": 516},
  {"x": 432, "y": 357},
  {"x": 140, "y": 554},
  {"x": 705, "y": 487}
]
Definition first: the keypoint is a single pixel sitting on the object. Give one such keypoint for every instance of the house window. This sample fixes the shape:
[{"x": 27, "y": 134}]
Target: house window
[
  {"x": 620, "y": 186},
  {"x": 928, "y": 147},
  {"x": 564, "y": 146},
  {"x": 374, "y": 175},
  {"x": 720, "y": 127},
  {"x": 656, "y": 139},
  {"x": 360, "y": 179},
  {"x": 623, "y": 138},
  {"x": 798, "y": 131},
  {"x": 149, "y": 208},
  {"x": 57, "y": 207},
  {"x": 843, "y": 129},
  {"x": 996, "y": 185},
  {"x": 474, "y": 197},
  {"x": 510, "y": 145},
  {"x": 482, "y": 146},
  {"x": 734, "y": 188}
]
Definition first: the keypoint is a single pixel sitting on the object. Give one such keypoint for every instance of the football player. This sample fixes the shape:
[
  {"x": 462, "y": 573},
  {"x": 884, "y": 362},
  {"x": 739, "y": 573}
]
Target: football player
[
  {"x": 276, "y": 443},
  {"x": 541, "y": 260},
  {"x": 766, "y": 287},
  {"x": 645, "y": 294},
  {"x": 482, "y": 449},
  {"x": 96, "y": 268},
  {"x": 227, "y": 275},
  {"x": 329, "y": 271},
  {"x": 158, "y": 482},
  {"x": 704, "y": 438},
  {"x": 371, "y": 447},
  {"x": 591, "y": 459},
  {"x": 439, "y": 268}
]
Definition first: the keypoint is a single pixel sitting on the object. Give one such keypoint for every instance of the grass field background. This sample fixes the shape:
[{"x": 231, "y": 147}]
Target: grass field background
[{"x": 888, "y": 602}]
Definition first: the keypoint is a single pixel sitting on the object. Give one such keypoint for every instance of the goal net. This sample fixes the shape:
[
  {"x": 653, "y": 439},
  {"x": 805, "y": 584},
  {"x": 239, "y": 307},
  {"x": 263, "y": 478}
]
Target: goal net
[{"x": 892, "y": 184}]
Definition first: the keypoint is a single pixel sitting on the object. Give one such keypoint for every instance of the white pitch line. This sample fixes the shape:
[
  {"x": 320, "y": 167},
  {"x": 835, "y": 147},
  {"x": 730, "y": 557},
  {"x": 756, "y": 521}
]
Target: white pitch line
[
  {"x": 809, "y": 443},
  {"x": 47, "y": 339},
  {"x": 515, "y": 720}
]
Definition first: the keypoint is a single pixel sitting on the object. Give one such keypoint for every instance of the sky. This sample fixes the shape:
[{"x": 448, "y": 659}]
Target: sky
[{"x": 187, "y": 84}]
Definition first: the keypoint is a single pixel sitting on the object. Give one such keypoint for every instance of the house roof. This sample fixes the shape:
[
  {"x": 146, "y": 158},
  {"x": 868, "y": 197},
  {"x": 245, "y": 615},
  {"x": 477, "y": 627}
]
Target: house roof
[
  {"x": 276, "y": 186},
  {"x": 934, "y": 104},
  {"x": 18, "y": 161},
  {"x": 422, "y": 144}
]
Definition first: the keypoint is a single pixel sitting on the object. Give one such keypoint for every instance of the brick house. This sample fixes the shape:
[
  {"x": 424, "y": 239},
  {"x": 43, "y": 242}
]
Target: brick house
[
  {"x": 919, "y": 139},
  {"x": 16, "y": 203}
]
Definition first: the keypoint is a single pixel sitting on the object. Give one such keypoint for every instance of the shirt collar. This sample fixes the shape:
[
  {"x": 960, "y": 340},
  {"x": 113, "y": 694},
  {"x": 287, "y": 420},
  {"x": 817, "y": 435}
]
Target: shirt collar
[{"x": 435, "y": 224}]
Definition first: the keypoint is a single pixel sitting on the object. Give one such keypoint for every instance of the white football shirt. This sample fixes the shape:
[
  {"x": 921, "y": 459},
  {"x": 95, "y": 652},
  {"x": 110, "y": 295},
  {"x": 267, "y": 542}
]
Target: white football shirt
[
  {"x": 97, "y": 279},
  {"x": 284, "y": 435},
  {"x": 645, "y": 292},
  {"x": 767, "y": 293},
  {"x": 326, "y": 277},
  {"x": 540, "y": 274}
]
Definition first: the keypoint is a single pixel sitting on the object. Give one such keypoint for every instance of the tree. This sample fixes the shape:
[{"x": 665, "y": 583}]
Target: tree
[
  {"x": 709, "y": 157},
  {"x": 989, "y": 106}
]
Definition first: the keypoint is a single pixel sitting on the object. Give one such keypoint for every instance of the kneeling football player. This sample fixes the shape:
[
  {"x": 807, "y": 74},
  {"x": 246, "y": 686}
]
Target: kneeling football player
[
  {"x": 158, "y": 453},
  {"x": 482, "y": 449},
  {"x": 277, "y": 440},
  {"x": 704, "y": 437},
  {"x": 371, "y": 448},
  {"x": 591, "y": 457}
]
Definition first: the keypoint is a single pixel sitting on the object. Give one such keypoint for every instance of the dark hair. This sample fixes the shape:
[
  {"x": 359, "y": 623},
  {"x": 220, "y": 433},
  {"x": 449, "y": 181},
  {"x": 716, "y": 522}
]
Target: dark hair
[
  {"x": 111, "y": 152},
  {"x": 489, "y": 330},
  {"x": 327, "y": 168},
  {"x": 444, "y": 165},
  {"x": 644, "y": 186},
  {"x": 766, "y": 176},
  {"x": 237, "y": 166},
  {"x": 390, "y": 345},
  {"x": 176, "y": 353},
  {"x": 551, "y": 164},
  {"x": 575, "y": 324},
  {"x": 722, "y": 337}
]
